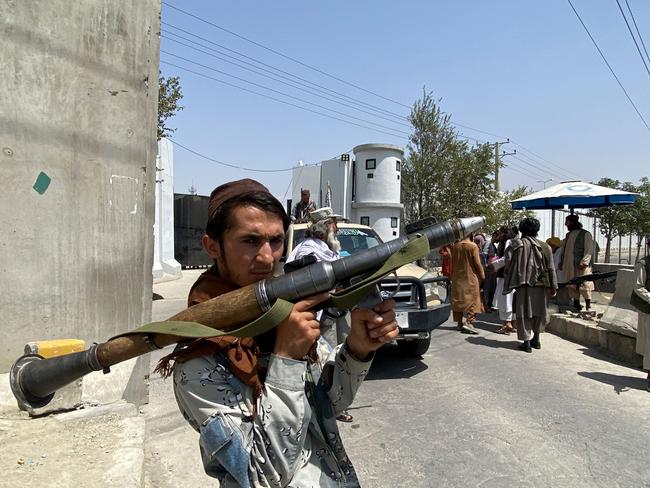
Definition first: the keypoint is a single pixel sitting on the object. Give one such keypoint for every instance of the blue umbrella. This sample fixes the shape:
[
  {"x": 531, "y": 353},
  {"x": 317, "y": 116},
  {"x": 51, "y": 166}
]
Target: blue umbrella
[{"x": 574, "y": 194}]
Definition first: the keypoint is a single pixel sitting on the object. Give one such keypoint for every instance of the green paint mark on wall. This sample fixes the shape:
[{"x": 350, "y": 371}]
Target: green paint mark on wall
[{"x": 42, "y": 183}]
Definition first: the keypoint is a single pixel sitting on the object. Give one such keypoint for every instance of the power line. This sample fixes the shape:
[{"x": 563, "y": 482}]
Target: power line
[
  {"x": 290, "y": 76},
  {"x": 534, "y": 164},
  {"x": 519, "y": 171},
  {"x": 608, "y": 65},
  {"x": 632, "y": 34},
  {"x": 637, "y": 30},
  {"x": 531, "y": 153},
  {"x": 273, "y": 77},
  {"x": 230, "y": 165},
  {"x": 285, "y": 56},
  {"x": 283, "y": 93},
  {"x": 320, "y": 87},
  {"x": 278, "y": 100},
  {"x": 534, "y": 170}
]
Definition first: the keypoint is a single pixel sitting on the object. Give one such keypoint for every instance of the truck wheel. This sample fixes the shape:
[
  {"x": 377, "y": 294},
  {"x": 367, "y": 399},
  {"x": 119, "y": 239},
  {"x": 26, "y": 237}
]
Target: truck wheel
[{"x": 416, "y": 347}]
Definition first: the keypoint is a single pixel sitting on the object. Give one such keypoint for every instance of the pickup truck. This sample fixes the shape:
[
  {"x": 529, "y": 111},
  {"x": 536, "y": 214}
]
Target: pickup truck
[{"x": 416, "y": 291}]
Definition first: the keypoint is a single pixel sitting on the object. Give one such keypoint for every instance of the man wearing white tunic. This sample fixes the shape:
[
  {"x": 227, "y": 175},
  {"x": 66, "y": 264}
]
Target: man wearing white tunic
[
  {"x": 641, "y": 300},
  {"x": 576, "y": 260}
]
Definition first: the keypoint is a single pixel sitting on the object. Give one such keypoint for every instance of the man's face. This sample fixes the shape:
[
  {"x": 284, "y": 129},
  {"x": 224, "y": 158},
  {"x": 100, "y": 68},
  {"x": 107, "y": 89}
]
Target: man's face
[
  {"x": 331, "y": 239},
  {"x": 570, "y": 224},
  {"x": 251, "y": 247},
  {"x": 305, "y": 196}
]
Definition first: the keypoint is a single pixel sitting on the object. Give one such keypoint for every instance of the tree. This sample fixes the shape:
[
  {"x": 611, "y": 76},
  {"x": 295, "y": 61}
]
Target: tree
[
  {"x": 500, "y": 211},
  {"x": 169, "y": 94},
  {"x": 638, "y": 215},
  {"x": 443, "y": 176},
  {"x": 612, "y": 221},
  {"x": 430, "y": 150}
]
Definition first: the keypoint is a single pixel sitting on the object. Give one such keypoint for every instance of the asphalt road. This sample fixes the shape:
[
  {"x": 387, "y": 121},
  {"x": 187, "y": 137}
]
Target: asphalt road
[{"x": 474, "y": 411}]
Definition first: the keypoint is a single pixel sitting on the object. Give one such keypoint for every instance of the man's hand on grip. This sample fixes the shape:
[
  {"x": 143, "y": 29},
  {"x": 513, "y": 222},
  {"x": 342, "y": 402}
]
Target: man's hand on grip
[{"x": 298, "y": 332}]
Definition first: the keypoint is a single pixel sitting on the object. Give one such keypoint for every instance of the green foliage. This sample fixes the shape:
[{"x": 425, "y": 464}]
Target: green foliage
[
  {"x": 623, "y": 219},
  {"x": 443, "y": 176},
  {"x": 169, "y": 94},
  {"x": 500, "y": 212}
]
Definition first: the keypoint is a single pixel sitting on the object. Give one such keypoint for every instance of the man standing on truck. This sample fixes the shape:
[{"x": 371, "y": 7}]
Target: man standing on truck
[
  {"x": 322, "y": 243},
  {"x": 302, "y": 209}
]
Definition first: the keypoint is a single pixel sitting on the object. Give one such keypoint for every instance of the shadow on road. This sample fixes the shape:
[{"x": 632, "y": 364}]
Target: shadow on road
[
  {"x": 391, "y": 364},
  {"x": 620, "y": 383},
  {"x": 484, "y": 341}
]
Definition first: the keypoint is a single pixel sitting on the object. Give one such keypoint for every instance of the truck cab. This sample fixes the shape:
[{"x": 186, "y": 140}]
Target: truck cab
[{"x": 422, "y": 298}]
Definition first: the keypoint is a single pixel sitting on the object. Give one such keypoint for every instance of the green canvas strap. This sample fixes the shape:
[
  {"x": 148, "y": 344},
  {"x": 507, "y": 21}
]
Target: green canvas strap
[
  {"x": 276, "y": 314},
  {"x": 413, "y": 249}
]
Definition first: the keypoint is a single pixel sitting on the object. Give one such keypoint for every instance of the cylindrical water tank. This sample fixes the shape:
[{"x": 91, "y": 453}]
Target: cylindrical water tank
[{"x": 378, "y": 171}]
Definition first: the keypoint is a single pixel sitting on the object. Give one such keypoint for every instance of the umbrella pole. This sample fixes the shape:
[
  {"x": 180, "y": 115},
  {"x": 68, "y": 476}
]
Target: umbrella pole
[{"x": 552, "y": 222}]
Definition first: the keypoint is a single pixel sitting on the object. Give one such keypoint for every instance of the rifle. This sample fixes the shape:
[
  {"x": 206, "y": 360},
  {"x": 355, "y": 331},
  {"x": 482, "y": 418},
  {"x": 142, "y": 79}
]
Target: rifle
[
  {"x": 34, "y": 380},
  {"x": 579, "y": 280}
]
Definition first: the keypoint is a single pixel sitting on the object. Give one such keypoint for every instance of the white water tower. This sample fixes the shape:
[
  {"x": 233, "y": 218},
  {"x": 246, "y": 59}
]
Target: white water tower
[{"x": 377, "y": 184}]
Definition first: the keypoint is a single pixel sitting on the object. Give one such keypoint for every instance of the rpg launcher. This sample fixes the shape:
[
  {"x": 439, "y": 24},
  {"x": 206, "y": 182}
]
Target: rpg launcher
[
  {"x": 34, "y": 380},
  {"x": 579, "y": 280}
]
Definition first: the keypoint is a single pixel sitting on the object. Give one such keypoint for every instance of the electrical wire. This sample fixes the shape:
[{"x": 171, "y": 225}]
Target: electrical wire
[
  {"x": 309, "y": 83},
  {"x": 278, "y": 100},
  {"x": 531, "y": 153},
  {"x": 229, "y": 165},
  {"x": 535, "y": 165},
  {"x": 533, "y": 169},
  {"x": 288, "y": 83},
  {"x": 637, "y": 30},
  {"x": 633, "y": 38},
  {"x": 285, "y": 56},
  {"x": 608, "y": 65},
  {"x": 290, "y": 76},
  {"x": 283, "y": 93}
]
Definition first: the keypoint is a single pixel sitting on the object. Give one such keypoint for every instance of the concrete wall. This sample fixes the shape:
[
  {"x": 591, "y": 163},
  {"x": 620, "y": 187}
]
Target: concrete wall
[{"x": 78, "y": 101}]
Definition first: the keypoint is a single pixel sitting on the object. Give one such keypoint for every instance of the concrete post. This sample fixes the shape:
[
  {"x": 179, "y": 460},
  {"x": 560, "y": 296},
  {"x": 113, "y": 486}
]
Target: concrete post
[{"x": 78, "y": 103}]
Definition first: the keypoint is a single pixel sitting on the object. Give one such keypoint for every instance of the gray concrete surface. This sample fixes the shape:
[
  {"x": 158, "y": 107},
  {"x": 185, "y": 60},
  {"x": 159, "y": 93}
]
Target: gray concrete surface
[
  {"x": 474, "y": 411},
  {"x": 78, "y": 100},
  {"x": 95, "y": 446}
]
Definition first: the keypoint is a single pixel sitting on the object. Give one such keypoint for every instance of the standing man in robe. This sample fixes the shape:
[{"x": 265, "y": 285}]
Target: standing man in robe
[
  {"x": 576, "y": 260},
  {"x": 466, "y": 276}
]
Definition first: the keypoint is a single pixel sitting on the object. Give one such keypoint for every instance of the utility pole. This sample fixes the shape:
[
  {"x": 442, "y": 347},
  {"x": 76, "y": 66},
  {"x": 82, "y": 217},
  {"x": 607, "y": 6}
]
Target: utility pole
[{"x": 497, "y": 161}]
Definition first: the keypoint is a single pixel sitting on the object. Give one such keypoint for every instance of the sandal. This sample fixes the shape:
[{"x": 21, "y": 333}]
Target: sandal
[
  {"x": 344, "y": 417},
  {"x": 504, "y": 329}
]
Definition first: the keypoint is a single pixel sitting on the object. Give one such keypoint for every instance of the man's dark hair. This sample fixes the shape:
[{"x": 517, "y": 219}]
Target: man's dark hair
[
  {"x": 220, "y": 221},
  {"x": 529, "y": 227}
]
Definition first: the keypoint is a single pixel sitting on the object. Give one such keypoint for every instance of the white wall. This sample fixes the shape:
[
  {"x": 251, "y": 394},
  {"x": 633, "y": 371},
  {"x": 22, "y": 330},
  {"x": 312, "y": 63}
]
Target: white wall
[
  {"x": 308, "y": 177},
  {"x": 165, "y": 266},
  {"x": 339, "y": 176}
]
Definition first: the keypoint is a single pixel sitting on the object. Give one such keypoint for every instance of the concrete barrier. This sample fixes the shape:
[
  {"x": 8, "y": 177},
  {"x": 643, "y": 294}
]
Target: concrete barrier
[{"x": 620, "y": 316}]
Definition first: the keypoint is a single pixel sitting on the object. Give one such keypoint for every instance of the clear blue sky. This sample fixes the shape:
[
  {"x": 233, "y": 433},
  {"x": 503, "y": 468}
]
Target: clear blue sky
[{"x": 522, "y": 70}]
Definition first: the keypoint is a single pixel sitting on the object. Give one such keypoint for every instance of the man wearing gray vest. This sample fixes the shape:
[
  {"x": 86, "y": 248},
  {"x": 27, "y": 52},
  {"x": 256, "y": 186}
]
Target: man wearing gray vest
[{"x": 576, "y": 260}]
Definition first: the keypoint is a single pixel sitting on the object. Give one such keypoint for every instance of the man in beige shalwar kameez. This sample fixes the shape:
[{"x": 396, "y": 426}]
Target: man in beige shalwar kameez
[
  {"x": 576, "y": 260},
  {"x": 466, "y": 276}
]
